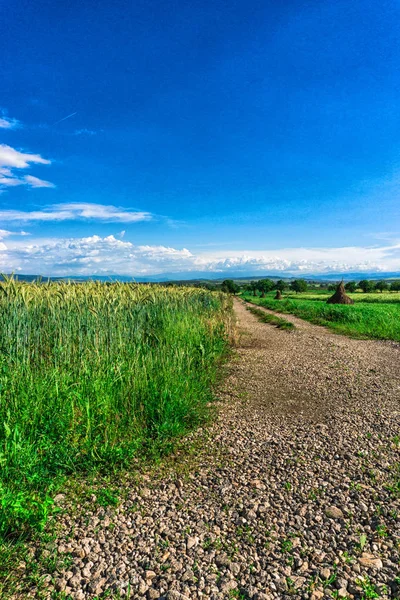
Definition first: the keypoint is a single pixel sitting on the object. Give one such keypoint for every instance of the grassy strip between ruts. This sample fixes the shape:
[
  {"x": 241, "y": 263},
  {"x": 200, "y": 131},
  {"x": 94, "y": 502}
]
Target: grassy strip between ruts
[
  {"x": 362, "y": 320},
  {"x": 93, "y": 376},
  {"x": 265, "y": 317}
]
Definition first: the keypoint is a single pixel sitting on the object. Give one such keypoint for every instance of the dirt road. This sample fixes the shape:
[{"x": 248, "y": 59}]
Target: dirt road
[{"x": 292, "y": 492}]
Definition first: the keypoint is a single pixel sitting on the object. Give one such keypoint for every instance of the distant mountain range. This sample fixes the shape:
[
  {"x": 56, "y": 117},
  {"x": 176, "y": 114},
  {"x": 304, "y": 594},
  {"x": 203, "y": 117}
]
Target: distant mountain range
[{"x": 197, "y": 277}]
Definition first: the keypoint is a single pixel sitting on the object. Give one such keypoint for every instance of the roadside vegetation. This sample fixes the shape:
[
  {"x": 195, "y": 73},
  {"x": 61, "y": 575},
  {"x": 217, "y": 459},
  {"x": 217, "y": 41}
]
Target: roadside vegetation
[
  {"x": 93, "y": 375},
  {"x": 369, "y": 320},
  {"x": 373, "y": 315}
]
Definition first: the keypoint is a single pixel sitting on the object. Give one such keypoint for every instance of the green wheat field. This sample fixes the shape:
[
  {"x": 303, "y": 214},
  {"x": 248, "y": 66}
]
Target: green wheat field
[{"x": 94, "y": 374}]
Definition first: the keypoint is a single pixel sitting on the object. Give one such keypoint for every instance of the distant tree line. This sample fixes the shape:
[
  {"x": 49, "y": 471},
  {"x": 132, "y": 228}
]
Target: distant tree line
[
  {"x": 263, "y": 286},
  {"x": 367, "y": 285}
]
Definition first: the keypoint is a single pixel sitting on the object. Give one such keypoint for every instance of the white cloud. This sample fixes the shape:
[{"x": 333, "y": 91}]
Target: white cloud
[
  {"x": 75, "y": 211},
  {"x": 95, "y": 255},
  {"x": 7, "y": 123},
  {"x": 35, "y": 182},
  {"x": 11, "y": 160},
  {"x": 305, "y": 260},
  {"x": 87, "y": 256},
  {"x": 9, "y": 157}
]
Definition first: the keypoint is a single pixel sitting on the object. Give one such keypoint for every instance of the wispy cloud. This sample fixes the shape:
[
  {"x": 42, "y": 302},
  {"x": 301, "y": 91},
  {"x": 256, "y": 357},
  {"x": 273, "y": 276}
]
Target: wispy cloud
[
  {"x": 4, "y": 233},
  {"x": 76, "y": 211},
  {"x": 7, "y": 123},
  {"x": 12, "y": 160},
  {"x": 35, "y": 182},
  {"x": 85, "y": 131}
]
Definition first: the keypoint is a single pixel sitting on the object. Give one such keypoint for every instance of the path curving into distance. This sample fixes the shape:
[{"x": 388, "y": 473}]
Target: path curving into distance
[{"x": 293, "y": 492}]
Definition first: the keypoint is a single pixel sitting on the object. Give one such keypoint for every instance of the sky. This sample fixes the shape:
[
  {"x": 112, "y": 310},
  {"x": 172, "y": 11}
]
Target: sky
[{"x": 154, "y": 138}]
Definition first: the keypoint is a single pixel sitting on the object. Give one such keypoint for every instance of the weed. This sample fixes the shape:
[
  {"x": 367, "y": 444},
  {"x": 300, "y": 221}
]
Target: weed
[
  {"x": 315, "y": 493},
  {"x": 362, "y": 541},
  {"x": 368, "y": 589},
  {"x": 348, "y": 559},
  {"x": 290, "y": 585},
  {"x": 245, "y": 533},
  {"x": 381, "y": 531},
  {"x": 207, "y": 543},
  {"x": 331, "y": 579},
  {"x": 355, "y": 486},
  {"x": 286, "y": 545},
  {"x": 106, "y": 497},
  {"x": 218, "y": 543},
  {"x": 238, "y": 595}
]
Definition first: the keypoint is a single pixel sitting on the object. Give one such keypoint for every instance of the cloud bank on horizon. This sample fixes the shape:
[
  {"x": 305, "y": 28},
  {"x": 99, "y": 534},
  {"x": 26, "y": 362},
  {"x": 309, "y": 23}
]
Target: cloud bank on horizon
[{"x": 96, "y": 255}]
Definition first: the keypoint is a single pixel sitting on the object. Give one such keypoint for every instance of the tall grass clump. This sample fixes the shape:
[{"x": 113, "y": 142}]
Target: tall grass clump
[
  {"x": 94, "y": 374},
  {"x": 265, "y": 317}
]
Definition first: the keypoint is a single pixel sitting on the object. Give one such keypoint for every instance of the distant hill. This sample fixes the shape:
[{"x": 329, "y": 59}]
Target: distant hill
[{"x": 203, "y": 277}]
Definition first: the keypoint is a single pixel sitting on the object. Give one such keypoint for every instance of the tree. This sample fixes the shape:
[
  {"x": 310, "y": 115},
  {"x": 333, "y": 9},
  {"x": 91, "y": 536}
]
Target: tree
[
  {"x": 230, "y": 287},
  {"x": 281, "y": 285},
  {"x": 395, "y": 286},
  {"x": 207, "y": 285},
  {"x": 350, "y": 286},
  {"x": 382, "y": 285},
  {"x": 265, "y": 286},
  {"x": 253, "y": 285},
  {"x": 299, "y": 285},
  {"x": 366, "y": 285}
]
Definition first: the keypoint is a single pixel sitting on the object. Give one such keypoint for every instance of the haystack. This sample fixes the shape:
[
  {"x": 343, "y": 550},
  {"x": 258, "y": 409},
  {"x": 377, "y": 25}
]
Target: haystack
[
  {"x": 340, "y": 296},
  {"x": 278, "y": 295}
]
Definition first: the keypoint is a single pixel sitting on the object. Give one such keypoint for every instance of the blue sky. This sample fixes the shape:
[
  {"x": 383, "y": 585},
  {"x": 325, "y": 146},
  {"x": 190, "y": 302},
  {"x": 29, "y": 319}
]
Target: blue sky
[{"x": 150, "y": 137}]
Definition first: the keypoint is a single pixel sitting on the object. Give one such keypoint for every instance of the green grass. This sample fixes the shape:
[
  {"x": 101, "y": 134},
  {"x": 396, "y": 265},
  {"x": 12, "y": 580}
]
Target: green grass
[
  {"x": 92, "y": 375},
  {"x": 365, "y": 319},
  {"x": 369, "y": 298},
  {"x": 265, "y": 317}
]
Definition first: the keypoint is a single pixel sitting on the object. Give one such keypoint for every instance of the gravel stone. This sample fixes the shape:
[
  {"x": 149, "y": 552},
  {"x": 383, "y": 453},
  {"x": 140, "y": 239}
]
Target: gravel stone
[
  {"x": 369, "y": 561},
  {"x": 334, "y": 512}
]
